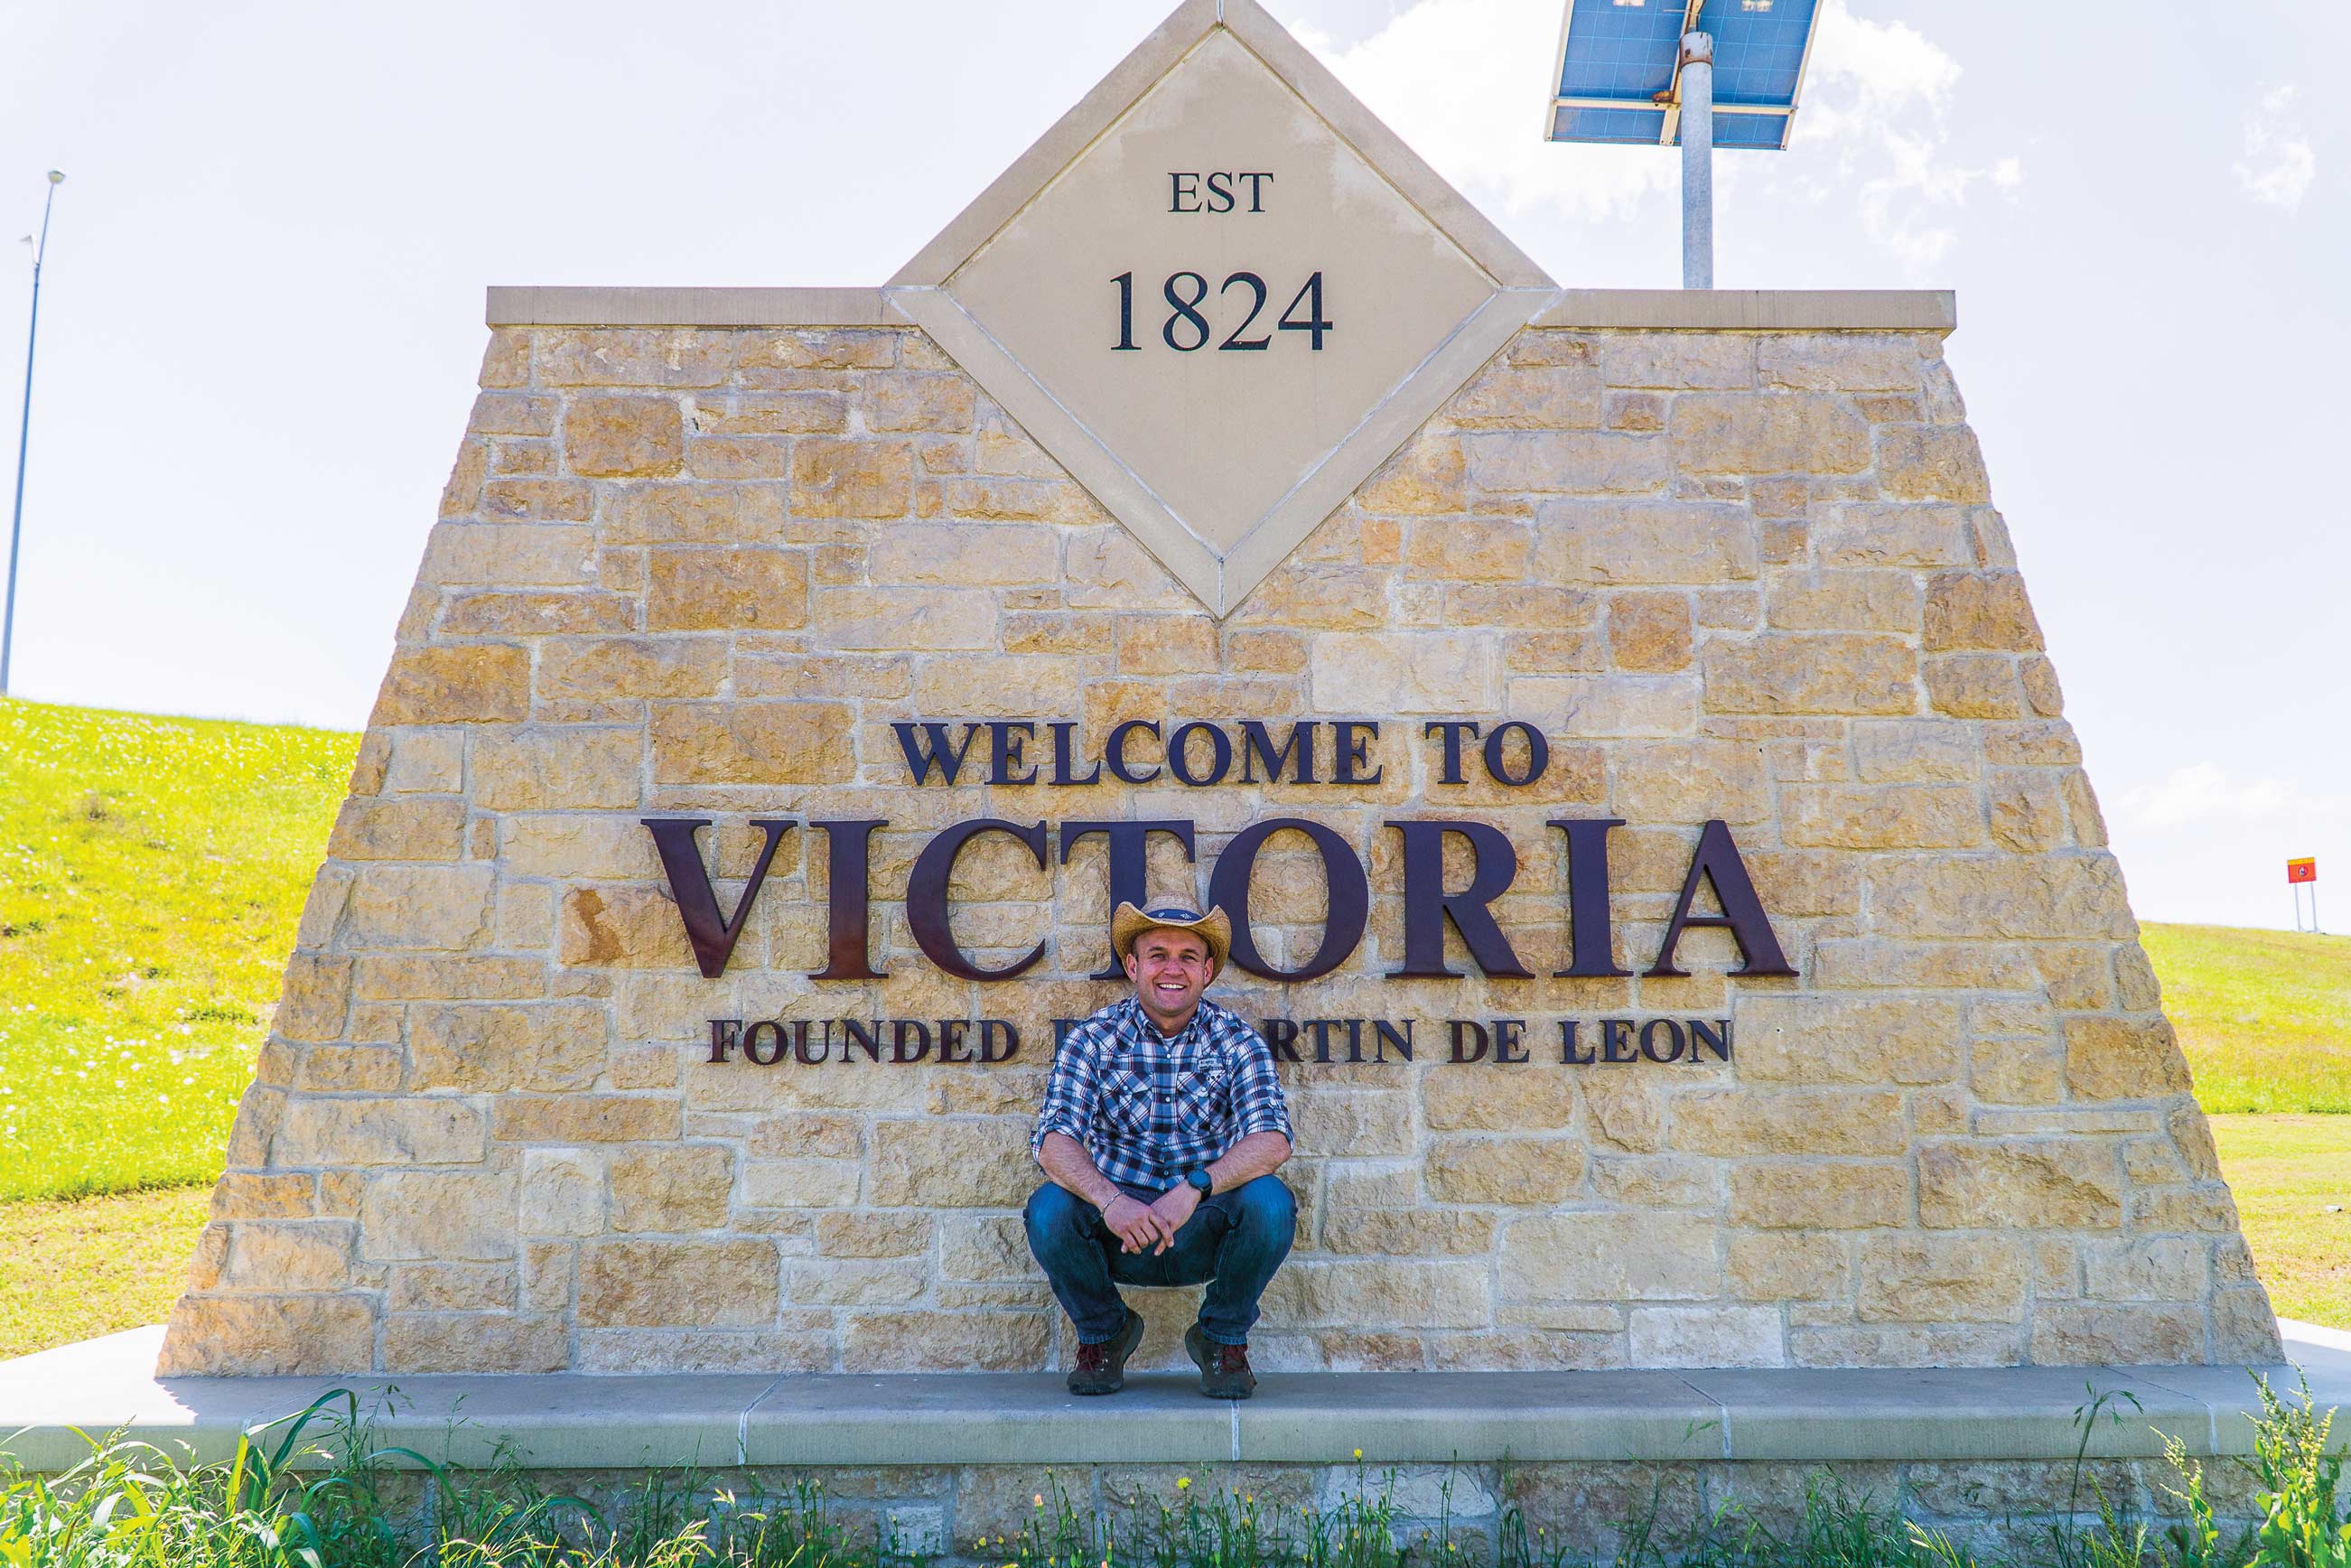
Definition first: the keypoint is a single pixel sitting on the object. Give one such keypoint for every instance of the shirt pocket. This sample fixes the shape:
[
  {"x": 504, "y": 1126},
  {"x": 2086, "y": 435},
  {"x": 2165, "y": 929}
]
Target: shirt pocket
[
  {"x": 1127, "y": 1100},
  {"x": 1203, "y": 1103}
]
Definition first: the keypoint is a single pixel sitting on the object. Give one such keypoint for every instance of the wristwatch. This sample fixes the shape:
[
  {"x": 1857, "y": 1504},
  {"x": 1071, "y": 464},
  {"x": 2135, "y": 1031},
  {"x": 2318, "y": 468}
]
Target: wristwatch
[{"x": 1200, "y": 1181}]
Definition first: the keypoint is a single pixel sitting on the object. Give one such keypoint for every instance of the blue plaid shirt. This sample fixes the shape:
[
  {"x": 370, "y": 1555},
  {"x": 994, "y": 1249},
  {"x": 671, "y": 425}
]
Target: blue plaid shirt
[{"x": 1148, "y": 1108}]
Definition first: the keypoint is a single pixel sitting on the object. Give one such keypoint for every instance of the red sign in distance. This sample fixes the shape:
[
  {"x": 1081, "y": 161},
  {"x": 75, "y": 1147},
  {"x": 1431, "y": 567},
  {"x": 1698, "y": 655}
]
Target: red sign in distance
[{"x": 2302, "y": 871}]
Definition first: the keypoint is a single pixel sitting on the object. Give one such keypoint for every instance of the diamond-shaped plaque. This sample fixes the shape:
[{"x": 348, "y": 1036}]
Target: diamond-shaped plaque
[{"x": 1220, "y": 293}]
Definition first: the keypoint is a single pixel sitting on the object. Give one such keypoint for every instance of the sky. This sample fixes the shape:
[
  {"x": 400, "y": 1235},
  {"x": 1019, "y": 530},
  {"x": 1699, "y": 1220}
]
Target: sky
[{"x": 261, "y": 318}]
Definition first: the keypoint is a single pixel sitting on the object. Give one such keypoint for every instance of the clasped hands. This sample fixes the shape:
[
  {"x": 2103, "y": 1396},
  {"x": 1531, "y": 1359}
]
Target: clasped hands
[{"x": 1151, "y": 1226}]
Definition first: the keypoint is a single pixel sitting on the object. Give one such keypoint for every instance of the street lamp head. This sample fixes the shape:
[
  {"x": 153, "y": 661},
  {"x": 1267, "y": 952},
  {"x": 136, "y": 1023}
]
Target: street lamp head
[{"x": 56, "y": 177}]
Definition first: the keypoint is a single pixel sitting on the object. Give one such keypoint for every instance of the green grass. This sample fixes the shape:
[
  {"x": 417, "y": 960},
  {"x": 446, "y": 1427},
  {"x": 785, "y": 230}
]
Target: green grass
[
  {"x": 75, "y": 1267},
  {"x": 2287, "y": 1172},
  {"x": 151, "y": 873},
  {"x": 2264, "y": 1016}
]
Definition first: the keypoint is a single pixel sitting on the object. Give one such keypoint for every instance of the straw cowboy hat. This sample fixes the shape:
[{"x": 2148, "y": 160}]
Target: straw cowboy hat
[{"x": 1129, "y": 923}]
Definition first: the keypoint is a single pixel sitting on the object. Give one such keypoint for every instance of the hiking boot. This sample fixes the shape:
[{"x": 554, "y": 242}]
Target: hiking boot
[
  {"x": 1224, "y": 1368},
  {"x": 1101, "y": 1368}
]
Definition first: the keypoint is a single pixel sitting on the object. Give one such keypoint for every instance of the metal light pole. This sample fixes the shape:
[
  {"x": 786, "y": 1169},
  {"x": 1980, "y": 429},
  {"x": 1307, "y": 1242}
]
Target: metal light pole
[
  {"x": 1698, "y": 160},
  {"x": 24, "y": 432}
]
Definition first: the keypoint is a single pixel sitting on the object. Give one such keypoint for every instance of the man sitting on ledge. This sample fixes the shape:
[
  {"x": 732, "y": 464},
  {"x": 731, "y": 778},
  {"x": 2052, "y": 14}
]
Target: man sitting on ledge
[{"x": 1162, "y": 1128}]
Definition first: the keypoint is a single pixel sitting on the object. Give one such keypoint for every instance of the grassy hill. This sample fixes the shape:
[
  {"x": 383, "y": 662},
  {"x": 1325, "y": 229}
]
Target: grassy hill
[
  {"x": 2264, "y": 1016},
  {"x": 152, "y": 871}
]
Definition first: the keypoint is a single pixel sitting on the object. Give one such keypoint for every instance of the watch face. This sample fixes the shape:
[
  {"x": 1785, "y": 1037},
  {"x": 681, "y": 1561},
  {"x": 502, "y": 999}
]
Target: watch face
[{"x": 1199, "y": 1180}]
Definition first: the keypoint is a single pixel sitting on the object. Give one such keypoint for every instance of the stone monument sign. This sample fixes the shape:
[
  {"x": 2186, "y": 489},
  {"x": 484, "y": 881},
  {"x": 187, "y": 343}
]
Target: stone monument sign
[{"x": 1615, "y": 723}]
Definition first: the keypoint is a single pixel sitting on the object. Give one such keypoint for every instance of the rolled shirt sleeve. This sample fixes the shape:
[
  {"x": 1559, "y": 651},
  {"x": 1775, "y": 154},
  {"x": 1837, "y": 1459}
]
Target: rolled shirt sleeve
[{"x": 1072, "y": 1089}]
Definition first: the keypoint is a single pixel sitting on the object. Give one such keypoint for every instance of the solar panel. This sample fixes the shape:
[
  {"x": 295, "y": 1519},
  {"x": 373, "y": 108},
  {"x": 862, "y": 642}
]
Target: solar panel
[{"x": 1617, "y": 61}]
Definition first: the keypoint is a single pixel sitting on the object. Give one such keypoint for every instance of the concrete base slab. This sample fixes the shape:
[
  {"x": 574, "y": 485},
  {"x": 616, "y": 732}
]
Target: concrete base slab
[{"x": 47, "y": 1402}]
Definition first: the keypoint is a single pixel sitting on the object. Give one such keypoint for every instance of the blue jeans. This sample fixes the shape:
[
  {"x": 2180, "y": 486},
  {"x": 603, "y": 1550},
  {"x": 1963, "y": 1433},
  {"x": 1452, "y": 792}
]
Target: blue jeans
[{"x": 1233, "y": 1243}]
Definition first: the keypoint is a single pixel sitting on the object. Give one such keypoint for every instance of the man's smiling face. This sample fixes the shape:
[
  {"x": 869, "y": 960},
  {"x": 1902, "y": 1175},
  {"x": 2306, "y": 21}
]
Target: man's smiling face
[{"x": 1170, "y": 969}]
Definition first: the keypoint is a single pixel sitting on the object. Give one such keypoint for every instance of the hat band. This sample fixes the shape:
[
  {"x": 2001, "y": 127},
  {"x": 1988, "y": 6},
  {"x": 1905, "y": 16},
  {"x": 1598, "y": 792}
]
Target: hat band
[{"x": 1182, "y": 916}]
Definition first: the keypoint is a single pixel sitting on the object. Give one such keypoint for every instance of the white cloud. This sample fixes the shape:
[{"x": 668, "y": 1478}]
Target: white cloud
[
  {"x": 2279, "y": 163},
  {"x": 1431, "y": 74},
  {"x": 2204, "y": 791},
  {"x": 1871, "y": 132},
  {"x": 1875, "y": 122}
]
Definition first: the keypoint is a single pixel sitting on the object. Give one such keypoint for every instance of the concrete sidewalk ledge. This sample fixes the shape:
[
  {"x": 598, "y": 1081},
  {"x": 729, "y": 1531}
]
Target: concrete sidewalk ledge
[{"x": 573, "y": 1421}]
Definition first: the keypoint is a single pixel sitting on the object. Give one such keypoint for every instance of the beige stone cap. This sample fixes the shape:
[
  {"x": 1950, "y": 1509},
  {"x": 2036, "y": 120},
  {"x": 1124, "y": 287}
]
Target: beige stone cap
[
  {"x": 1671, "y": 309},
  {"x": 564, "y": 1420},
  {"x": 1756, "y": 310}
]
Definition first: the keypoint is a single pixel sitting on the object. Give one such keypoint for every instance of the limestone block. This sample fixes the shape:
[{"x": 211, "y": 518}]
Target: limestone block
[
  {"x": 438, "y": 1217},
  {"x": 513, "y": 413},
  {"x": 849, "y": 478},
  {"x": 1656, "y": 1181},
  {"x": 668, "y": 1190},
  {"x": 1943, "y": 1279},
  {"x": 1876, "y": 534},
  {"x": 269, "y": 1336},
  {"x": 1362, "y": 1124},
  {"x": 467, "y": 684},
  {"x": 536, "y": 613},
  {"x": 536, "y": 500},
  {"x": 1706, "y": 1336},
  {"x": 742, "y": 742},
  {"x": 1829, "y": 1039},
  {"x": 1408, "y": 1232},
  {"x": 1601, "y": 707},
  {"x": 1539, "y": 397},
  {"x": 1812, "y": 1196},
  {"x": 586, "y": 1118},
  {"x": 944, "y": 1342},
  {"x": 811, "y": 411},
  {"x": 634, "y": 927},
  {"x": 2062, "y": 896},
  {"x": 288, "y": 1255},
  {"x": 2025, "y": 1185},
  {"x": 633, "y": 356},
  {"x": 452, "y": 1288},
  {"x": 1884, "y": 817},
  {"x": 562, "y": 1193},
  {"x": 2067, "y": 1334},
  {"x": 2150, "y": 1268},
  {"x": 477, "y": 1343},
  {"x": 905, "y": 401},
  {"x": 509, "y": 554},
  {"x": 928, "y": 620},
  {"x": 731, "y": 589},
  {"x": 1691, "y": 781},
  {"x": 1626, "y": 1113},
  {"x": 1158, "y": 645},
  {"x": 1980, "y": 610},
  {"x": 564, "y": 767},
  {"x": 1649, "y": 631},
  {"x": 1788, "y": 433},
  {"x": 1975, "y": 685},
  {"x": 1426, "y": 672},
  {"x": 1758, "y": 1121},
  {"x": 1839, "y": 361},
  {"x": 361, "y": 1132},
  {"x": 1931, "y": 463},
  {"x": 1453, "y": 1099},
  {"x": 966, "y": 555},
  {"x": 1846, "y": 602},
  {"x": 1354, "y": 1292},
  {"x": 1793, "y": 673},
  {"x": 960, "y": 1163},
  {"x": 1608, "y": 1256},
  {"x": 605, "y": 436},
  {"x": 1472, "y": 549},
  {"x": 1002, "y": 501},
  {"x": 1677, "y": 361},
  {"x": 688, "y": 512},
  {"x": 678, "y": 1284},
  {"x": 398, "y": 830},
  {"x": 800, "y": 1182},
  {"x": 1620, "y": 541},
  {"x": 249, "y": 1195},
  {"x": 1426, "y": 476},
  {"x": 2123, "y": 1059},
  {"x": 1777, "y": 1266},
  {"x": 317, "y": 995},
  {"x": 499, "y": 1046},
  {"x": 1520, "y": 1171},
  {"x": 1913, "y": 751},
  {"x": 1574, "y": 463}
]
